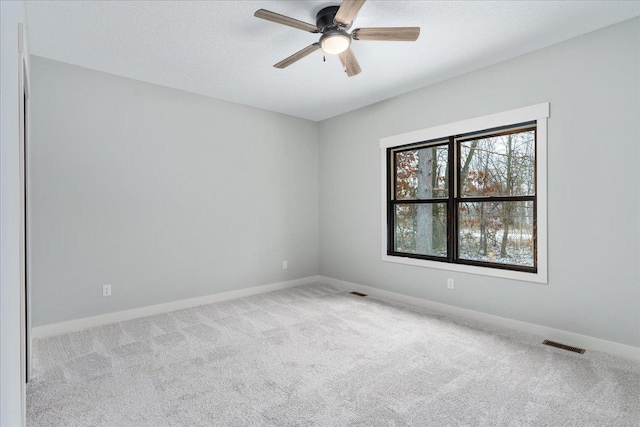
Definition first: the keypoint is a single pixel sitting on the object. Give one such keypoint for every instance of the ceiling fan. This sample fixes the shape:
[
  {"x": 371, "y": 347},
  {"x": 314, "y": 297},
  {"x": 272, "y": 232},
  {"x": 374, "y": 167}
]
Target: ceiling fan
[{"x": 333, "y": 23}]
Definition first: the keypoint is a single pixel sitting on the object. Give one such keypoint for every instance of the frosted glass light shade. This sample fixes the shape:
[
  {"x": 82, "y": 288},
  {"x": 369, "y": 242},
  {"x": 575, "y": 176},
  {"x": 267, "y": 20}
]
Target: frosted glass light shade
[{"x": 335, "y": 44}]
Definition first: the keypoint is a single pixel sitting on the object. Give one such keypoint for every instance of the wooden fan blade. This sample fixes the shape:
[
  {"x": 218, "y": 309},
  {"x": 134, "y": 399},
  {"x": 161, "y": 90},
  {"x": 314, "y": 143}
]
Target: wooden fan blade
[
  {"x": 399, "y": 34},
  {"x": 297, "y": 56},
  {"x": 349, "y": 62},
  {"x": 347, "y": 11},
  {"x": 285, "y": 20}
]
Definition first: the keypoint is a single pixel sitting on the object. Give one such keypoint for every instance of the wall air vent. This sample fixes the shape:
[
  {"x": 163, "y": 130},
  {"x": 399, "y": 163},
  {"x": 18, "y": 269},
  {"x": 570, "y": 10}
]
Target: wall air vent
[{"x": 563, "y": 346}]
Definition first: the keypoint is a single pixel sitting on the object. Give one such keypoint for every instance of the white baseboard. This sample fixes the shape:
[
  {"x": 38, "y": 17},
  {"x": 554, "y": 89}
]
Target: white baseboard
[
  {"x": 566, "y": 337},
  {"x": 119, "y": 316}
]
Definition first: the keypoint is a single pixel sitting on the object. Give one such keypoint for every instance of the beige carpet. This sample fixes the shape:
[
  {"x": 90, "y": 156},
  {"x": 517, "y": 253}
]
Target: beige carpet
[{"x": 315, "y": 356}]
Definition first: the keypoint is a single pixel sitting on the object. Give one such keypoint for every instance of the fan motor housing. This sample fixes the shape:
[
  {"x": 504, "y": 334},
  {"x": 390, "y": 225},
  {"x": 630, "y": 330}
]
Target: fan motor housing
[{"x": 324, "y": 19}]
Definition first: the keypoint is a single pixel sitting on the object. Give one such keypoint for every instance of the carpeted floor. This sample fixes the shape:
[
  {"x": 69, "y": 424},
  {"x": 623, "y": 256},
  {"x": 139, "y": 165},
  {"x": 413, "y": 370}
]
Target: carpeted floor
[{"x": 315, "y": 356}]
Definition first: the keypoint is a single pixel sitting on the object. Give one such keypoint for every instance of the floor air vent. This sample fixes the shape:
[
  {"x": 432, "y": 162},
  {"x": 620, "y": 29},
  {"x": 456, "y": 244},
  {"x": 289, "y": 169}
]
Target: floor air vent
[
  {"x": 358, "y": 294},
  {"x": 563, "y": 346}
]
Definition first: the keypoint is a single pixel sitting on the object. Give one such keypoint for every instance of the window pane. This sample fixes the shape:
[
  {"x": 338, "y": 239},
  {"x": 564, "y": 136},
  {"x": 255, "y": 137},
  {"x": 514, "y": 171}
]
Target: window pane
[
  {"x": 499, "y": 165},
  {"x": 422, "y": 173},
  {"x": 500, "y": 232},
  {"x": 421, "y": 228}
]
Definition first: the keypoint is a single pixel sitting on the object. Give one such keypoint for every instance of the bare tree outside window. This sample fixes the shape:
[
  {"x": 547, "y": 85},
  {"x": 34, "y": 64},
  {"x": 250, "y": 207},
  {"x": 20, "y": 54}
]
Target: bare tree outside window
[
  {"x": 492, "y": 230},
  {"x": 422, "y": 177}
]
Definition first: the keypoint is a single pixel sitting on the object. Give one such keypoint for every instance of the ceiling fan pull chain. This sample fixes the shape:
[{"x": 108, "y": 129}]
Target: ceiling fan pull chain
[{"x": 324, "y": 58}]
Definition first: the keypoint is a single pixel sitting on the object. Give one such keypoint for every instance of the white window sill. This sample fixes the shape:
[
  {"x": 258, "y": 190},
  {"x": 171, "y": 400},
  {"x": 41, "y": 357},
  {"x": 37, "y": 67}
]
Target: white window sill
[{"x": 470, "y": 269}]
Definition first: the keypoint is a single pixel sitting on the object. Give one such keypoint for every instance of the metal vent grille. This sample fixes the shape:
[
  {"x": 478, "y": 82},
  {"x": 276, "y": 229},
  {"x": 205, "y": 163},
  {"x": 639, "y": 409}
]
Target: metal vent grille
[
  {"x": 563, "y": 346},
  {"x": 358, "y": 294}
]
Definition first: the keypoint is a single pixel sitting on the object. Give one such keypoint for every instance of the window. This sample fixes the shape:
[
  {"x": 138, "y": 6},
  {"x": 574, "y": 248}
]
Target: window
[{"x": 469, "y": 197}]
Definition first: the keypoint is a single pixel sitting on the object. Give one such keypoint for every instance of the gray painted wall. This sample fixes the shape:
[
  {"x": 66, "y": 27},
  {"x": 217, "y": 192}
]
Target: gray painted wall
[
  {"x": 164, "y": 194},
  {"x": 592, "y": 83}
]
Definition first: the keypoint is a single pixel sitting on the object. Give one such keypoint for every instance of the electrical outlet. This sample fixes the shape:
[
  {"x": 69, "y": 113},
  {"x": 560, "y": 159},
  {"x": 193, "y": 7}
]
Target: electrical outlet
[
  {"x": 450, "y": 283},
  {"x": 106, "y": 290},
  {"x": 285, "y": 265}
]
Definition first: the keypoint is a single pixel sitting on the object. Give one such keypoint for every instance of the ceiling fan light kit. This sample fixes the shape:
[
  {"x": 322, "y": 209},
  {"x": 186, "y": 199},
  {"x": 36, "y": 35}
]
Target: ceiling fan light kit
[
  {"x": 335, "y": 42},
  {"x": 333, "y": 23}
]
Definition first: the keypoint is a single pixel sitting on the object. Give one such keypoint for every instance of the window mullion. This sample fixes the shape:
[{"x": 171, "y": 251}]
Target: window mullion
[{"x": 452, "y": 217}]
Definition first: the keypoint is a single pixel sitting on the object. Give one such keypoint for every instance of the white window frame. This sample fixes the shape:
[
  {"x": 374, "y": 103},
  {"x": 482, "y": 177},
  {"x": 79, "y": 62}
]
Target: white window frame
[{"x": 538, "y": 113}]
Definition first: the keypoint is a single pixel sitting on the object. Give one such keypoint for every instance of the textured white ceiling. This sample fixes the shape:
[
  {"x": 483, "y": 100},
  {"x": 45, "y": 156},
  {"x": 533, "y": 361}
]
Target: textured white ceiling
[{"x": 219, "y": 49}]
